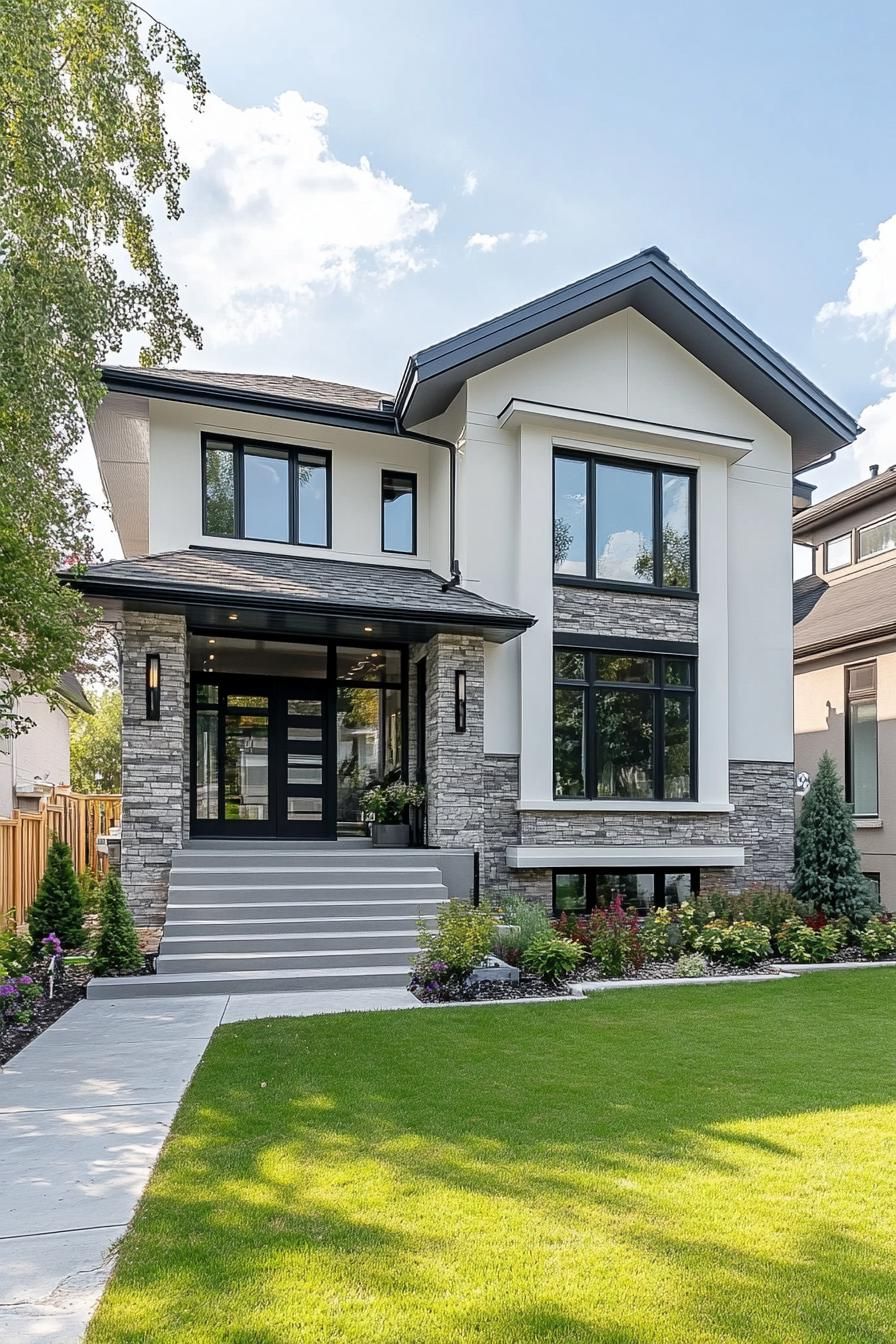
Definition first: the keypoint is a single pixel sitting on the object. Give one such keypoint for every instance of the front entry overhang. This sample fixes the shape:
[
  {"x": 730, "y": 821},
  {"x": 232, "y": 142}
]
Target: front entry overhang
[{"x": 296, "y": 595}]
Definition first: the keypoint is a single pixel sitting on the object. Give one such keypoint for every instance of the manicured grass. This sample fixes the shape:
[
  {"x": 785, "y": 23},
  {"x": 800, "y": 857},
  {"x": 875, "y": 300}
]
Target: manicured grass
[{"x": 688, "y": 1165}]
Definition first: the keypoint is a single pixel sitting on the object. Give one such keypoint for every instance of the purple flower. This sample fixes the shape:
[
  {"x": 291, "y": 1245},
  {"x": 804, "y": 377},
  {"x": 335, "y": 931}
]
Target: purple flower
[
  {"x": 439, "y": 967},
  {"x": 24, "y": 980},
  {"x": 52, "y": 944},
  {"x": 8, "y": 990}
]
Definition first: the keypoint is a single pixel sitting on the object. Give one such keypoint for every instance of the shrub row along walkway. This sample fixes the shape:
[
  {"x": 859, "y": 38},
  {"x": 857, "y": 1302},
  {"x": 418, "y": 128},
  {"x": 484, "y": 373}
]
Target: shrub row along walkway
[{"x": 84, "y": 1111}]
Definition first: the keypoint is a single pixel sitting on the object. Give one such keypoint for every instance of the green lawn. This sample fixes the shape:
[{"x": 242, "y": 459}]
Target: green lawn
[{"x": 649, "y": 1166}]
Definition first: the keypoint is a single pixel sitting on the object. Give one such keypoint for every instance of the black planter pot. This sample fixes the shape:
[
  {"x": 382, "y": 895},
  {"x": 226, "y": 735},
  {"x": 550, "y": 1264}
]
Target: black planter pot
[{"x": 391, "y": 835}]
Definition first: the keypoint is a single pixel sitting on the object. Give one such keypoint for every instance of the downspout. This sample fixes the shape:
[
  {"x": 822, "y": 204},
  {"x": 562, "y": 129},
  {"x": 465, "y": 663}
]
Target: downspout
[{"x": 452, "y": 493}]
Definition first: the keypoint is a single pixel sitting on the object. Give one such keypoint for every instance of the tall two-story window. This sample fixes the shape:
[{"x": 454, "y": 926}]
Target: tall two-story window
[
  {"x": 861, "y": 739},
  {"x": 620, "y": 524},
  {"x": 624, "y": 725},
  {"x": 265, "y": 492},
  {"x": 399, "y": 519}
]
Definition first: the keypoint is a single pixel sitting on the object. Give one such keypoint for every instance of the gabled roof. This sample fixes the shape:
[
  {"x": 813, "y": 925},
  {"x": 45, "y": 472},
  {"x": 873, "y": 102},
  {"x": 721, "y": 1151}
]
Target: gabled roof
[
  {"x": 666, "y": 296},
  {"x": 851, "y": 611},
  {"x": 301, "y": 585}
]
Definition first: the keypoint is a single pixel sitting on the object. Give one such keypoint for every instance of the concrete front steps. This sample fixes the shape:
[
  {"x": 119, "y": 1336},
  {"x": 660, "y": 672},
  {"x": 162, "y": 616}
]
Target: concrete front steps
[{"x": 256, "y": 918}]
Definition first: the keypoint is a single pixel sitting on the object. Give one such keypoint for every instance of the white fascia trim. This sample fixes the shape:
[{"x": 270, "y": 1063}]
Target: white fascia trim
[
  {"x": 604, "y": 856},
  {"x": 618, "y": 805},
  {"x": 518, "y": 412}
]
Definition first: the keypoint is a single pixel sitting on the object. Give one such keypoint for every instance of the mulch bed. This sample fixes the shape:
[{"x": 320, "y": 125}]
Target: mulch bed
[
  {"x": 668, "y": 970},
  {"x": 69, "y": 991}
]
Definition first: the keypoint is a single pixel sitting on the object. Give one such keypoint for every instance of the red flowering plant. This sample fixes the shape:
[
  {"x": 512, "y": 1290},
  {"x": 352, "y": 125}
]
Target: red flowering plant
[
  {"x": 573, "y": 927},
  {"x": 615, "y": 940}
]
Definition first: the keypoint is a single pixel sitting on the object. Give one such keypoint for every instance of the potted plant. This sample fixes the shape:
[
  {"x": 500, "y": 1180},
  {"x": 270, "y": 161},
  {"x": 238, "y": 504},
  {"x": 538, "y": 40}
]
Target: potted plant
[{"x": 385, "y": 806}]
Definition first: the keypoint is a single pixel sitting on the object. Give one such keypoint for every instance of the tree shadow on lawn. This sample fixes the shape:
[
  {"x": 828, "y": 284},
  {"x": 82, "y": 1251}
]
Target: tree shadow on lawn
[{"x": 561, "y": 1173}]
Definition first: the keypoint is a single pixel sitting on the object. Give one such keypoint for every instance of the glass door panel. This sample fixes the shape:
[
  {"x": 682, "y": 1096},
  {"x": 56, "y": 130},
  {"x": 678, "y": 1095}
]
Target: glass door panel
[
  {"x": 246, "y": 772},
  {"x": 302, "y": 767}
]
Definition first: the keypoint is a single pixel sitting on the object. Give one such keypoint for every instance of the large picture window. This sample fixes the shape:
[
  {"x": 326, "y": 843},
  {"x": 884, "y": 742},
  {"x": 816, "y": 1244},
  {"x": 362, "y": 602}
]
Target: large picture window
[
  {"x": 578, "y": 892},
  {"x": 265, "y": 492},
  {"x": 861, "y": 739},
  {"x": 877, "y": 538},
  {"x": 624, "y": 724},
  {"x": 619, "y": 524}
]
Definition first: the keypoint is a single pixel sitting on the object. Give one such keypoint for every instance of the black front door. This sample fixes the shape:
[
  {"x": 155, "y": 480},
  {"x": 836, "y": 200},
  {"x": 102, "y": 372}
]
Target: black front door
[
  {"x": 262, "y": 758},
  {"x": 302, "y": 767}
]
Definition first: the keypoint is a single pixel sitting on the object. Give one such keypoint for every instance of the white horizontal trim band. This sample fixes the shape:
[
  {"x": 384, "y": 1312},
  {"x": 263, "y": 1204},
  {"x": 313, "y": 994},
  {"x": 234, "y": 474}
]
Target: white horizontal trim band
[
  {"x": 518, "y": 411},
  {"x": 617, "y": 805},
  {"x": 606, "y": 856}
]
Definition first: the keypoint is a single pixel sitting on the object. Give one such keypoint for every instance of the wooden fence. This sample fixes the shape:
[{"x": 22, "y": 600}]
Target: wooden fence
[{"x": 77, "y": 818}]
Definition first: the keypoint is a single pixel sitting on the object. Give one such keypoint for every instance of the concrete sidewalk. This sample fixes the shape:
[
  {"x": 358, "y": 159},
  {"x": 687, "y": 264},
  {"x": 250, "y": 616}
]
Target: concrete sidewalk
[{"x": 84, "y": 1111}]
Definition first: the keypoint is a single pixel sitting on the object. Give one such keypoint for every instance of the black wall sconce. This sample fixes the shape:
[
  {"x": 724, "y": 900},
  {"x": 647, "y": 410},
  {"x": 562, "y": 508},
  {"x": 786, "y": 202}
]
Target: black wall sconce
[
  {"x": 460, "y": 701},
  {"x": 153, "y": 686}
]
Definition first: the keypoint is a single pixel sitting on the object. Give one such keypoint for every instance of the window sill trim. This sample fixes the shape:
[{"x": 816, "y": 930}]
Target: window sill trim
[
  {"x": 868, "y": 823},
  {"x": 671, "y": 857},
  {"x": 620, "y": 805}
]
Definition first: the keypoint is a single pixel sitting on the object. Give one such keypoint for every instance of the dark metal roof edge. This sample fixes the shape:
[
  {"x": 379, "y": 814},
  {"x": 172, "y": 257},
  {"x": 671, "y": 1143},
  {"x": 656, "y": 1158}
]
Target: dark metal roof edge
[
  {"x": 100, "y": 586},
  {"x": 262, "y": 403},
  {"x": 651, "y": 265}
]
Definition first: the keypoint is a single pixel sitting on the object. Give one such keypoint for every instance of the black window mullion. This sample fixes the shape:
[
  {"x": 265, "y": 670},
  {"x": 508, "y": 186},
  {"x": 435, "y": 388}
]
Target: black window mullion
[
  {"x": 659, "y": 577},
  {"x": 239, "y": 486},
  {"x": 591, "y": 519},
  {"x": 659, "y": 741},
  {"x": 293, "y": 486}
]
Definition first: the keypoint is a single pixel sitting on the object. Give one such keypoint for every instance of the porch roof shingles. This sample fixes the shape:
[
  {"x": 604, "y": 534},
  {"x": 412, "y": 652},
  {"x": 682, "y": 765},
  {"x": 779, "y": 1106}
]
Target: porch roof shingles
[
  {"x": 318, "y": 390},
  {"x": 207, "y": 573}
]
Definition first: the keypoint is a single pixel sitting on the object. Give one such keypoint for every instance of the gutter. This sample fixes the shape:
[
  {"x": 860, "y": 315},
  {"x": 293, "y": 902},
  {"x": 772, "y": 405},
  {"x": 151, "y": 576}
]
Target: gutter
[{"x": 456, "y": 577}]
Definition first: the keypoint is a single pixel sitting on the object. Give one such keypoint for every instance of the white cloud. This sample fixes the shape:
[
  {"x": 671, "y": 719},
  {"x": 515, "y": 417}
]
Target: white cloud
[
  {"x": 487, "y": 242},
  {"x": 471, "y": 182},
  {"x": 271, "y": 216},
  {"x": 871, "y": 296},
  {"x": 620, "y": 555}
]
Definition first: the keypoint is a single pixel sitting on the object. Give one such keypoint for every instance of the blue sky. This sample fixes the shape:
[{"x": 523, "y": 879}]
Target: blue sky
[{"x": 753, "y": 143}]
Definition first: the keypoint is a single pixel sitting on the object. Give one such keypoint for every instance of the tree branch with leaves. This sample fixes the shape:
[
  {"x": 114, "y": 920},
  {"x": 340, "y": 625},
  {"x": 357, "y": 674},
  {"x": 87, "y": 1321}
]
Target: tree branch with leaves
[{"x": 84, "y": 153}]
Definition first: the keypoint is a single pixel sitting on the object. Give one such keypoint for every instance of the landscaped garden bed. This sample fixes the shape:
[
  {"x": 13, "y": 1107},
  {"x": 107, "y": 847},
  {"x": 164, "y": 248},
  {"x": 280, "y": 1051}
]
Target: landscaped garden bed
[{"x": 77, "y": 928}]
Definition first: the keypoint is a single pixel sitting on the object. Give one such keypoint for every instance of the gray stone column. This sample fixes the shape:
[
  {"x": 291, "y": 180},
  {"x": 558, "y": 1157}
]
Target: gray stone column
[
  {"x": 454, "y": 761},
  {"x": 152, "y": 761},
  {"x": 763, "y": 820}
]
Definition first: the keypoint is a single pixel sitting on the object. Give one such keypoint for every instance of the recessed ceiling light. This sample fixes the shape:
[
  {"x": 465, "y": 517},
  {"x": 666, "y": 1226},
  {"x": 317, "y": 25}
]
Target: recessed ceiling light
[
  {"x": 211, "y": 656},
  {"x": 368, "y": 629},
  {"x": 211, "y": 641},
  {"x": 233, "y": 616}
]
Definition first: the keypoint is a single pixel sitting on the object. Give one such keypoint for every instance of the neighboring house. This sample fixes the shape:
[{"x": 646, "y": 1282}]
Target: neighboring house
[
  {"x": 844, "y": 616},
  {"x": 39, "y": 759},
  {"x": 550, "y": 574}
]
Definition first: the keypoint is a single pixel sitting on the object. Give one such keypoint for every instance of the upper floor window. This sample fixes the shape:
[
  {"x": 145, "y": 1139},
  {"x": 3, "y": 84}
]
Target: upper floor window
[
  {"x": 399, "y": 505},
  {"x": 838, "y": 552},
  {"x": 861, "y": 739},
  {"x": 877, "y": 538},
  {"x": 265, "y": 492},
  {"x": 624, "y": 725},
  {"x": 621, "y": 524}
]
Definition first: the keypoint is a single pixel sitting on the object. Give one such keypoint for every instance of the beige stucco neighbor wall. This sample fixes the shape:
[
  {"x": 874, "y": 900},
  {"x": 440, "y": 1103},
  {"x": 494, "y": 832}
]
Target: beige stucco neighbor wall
[{"x": 820, "y": 725}]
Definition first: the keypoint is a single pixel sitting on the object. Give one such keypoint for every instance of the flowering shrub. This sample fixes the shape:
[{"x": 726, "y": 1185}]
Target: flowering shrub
[
  {"x": 386, "y": 803},
  {"x": 573, "y": 927},
  {"x": 739, "y": 944},
  {"x": 660, "y": 934},
  {"x": 461, "y": 941},
  {"x": 15, "y": 953},
  {"x": 17, "y": 997},
  {"x": 692, "y": 917},
  {"x": 51, "y": 946},
  {"x": 799, "y": 942},
  {"x": 615, "y": 941},
  {"x": 691, "y": 965},
  {"x": 552, "y": 957},
  {"x": 878, "y": 938},
  {"x": 767, "y": 905}
]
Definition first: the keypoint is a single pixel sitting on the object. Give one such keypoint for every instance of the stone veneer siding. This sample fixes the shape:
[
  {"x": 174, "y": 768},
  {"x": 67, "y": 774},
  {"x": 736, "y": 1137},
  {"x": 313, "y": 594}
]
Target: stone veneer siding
[
  {"x": 152, "y": 761},
  {"x": 454, "y": 761},
  {"x": 600, "y": 611},
  {"x": 763, "y": 820},
  {"x": 501, "y": 789}
]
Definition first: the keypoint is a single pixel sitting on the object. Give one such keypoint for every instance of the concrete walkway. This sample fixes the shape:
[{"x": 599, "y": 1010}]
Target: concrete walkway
[{"x": 84, "y": 1111}]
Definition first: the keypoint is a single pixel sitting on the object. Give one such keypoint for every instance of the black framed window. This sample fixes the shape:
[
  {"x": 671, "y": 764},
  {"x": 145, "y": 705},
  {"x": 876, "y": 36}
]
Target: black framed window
[
  {"x": 838, "y": 552},
  {"x": 623, "y": 524},
  {"x": 624, "y": 724},
  {"x": 861, "y": 739},
  {"x": 579, "y": 891},
  {"x": 265, "y": 492},
  {"x": 399, "y": 512}
]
